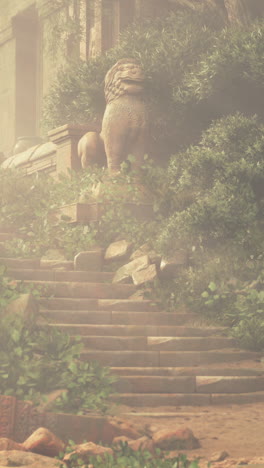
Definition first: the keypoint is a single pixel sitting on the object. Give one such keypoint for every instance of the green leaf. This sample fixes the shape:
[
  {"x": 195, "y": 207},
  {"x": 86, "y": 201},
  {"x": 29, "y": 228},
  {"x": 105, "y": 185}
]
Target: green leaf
[
  {"x": 212, "y": 286},
  {"x": 205, "y": 294}
]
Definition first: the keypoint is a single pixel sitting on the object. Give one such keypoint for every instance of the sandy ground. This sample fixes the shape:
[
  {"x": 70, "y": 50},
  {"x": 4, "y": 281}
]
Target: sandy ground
[{"x": 239, "y": 430}]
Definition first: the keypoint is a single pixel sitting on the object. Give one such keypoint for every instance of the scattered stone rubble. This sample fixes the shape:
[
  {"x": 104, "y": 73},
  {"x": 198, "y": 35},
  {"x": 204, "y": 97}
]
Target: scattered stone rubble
[
  {"x": 40, "y": 448},
  {"x": 145, "y": 265}
]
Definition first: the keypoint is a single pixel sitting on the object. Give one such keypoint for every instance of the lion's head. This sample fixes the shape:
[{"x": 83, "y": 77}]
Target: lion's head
[{"x": 125, "y": 77}]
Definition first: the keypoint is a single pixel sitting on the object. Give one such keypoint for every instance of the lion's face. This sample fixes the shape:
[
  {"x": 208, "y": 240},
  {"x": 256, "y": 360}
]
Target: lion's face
[{"x": 125, "y": 77}]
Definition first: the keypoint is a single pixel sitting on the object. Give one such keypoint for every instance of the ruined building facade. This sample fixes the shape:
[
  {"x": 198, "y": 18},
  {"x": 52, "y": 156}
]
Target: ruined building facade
[{"x": 38, "y": 37}]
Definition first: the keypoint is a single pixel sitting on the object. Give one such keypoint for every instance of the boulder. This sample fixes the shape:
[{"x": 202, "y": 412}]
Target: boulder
[
  {"x": 143, "y": 443},
  {"x": 26, "y": 460},
  {"x": 145, "y": 275},
  {"x": 121, "y": 427},
  {"x": 91, "y": 260},
  {"x": 86, "y": 451},
  {"x": 26, "y": 307},
  {"x": 180, "y": 439},
  {"x": 9, "y": 444},
  {"x": 170, "y": 267},
  {"x": 118, "y": 250},
  {"x": 146, "y": 250},
  {"x": 125, "y": 272},
  {"x": 120, "y": 439},
  {"x": 44, "y": 442}
]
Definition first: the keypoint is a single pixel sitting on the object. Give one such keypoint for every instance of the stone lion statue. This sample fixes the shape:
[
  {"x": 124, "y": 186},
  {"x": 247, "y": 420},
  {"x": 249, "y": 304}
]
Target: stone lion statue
[{"x": 125, "y": 122}]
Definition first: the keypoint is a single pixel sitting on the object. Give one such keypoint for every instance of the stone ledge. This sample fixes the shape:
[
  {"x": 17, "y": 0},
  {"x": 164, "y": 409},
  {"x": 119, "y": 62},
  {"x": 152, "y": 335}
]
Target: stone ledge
[{"x": 90, "y": 212}]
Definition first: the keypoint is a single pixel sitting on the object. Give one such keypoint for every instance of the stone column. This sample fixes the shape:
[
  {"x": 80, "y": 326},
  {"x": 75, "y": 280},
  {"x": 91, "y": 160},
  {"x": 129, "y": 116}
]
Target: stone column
[{"x": 66, "y": 138}]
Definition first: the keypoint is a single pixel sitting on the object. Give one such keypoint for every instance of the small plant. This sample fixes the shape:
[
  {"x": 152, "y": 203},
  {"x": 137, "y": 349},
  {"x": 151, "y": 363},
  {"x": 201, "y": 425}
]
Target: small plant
[{"x": 124, "y": 457}]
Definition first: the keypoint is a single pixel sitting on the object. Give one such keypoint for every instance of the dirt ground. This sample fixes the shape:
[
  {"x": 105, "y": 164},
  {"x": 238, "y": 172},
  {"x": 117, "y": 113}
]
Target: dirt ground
[{"x": 236, "y": 429}]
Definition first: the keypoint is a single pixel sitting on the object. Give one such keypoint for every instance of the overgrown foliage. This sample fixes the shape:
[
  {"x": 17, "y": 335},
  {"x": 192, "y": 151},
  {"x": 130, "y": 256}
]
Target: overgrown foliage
[
  {"x": 217, "y": 201},
  {"x": 125, "y": 457},
  {"x": 196, "y": 71},
  {"x": 36, "y": 360}
]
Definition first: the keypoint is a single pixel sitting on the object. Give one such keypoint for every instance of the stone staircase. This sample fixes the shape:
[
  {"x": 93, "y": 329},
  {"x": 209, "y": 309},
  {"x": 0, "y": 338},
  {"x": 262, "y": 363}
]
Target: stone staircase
[{"x": 162, "y": 359}]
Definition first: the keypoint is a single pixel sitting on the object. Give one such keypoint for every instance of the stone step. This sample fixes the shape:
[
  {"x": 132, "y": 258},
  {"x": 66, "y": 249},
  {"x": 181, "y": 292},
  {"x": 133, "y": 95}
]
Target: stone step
[
  {"x": 63, "y": 289},
  {"x": 137, "y": 330},
  {"x": 165, "y": 358},
  {"x": 213, "y": 370},
  {"x": 190, "y": 384},
  {"x": 94, "y": 304},
  {"x": 157, "y": 343},
  {"x": 23, "y": 263},
  {"x": 57, "y": 265},
  {"x": 65, "y": 276},
  {"x": 5, "y": 236},
  {"x": 186, "y": 399},
  {"x": 108, "y": 317}
]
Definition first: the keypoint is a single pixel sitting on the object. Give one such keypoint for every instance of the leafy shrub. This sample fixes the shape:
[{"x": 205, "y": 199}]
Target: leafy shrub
[
  {"x": 216, "y": 200},
  {"x": 125, "y": 457},
  {"x": 38, "y": 360},
  {"x": 29, "y": 210},
  {"x": 216, "y": 186}
]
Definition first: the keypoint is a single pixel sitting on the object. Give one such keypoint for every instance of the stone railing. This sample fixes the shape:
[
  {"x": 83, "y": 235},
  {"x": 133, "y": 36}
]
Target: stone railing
[{"x": 56, "y": 156}]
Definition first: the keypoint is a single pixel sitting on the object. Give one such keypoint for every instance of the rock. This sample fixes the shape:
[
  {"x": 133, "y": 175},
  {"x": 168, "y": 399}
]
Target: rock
[
  {"x": 91, "y": 260},
  {"x": 118, "y": 250},
  {"x": 182, "y": 438},
  {"x": 143, "y": 443},
  {"x": 44, "y": 442},
  {"x": 26, "y": 307},
  {"x": 87, "y": 450},
  {"x": 169, "y": 267},
  {"x": 27, "y": 460},
  {"x": 219, "y": 456},
  {"x": 146, "y": 250},
  {"x": 126, "y": 271},
  {"x": 8, "y": 444},
  {"x": 120, "y": 439},
  {"x": 120, "y": 427},
  {"x": 145, "y": 276}
]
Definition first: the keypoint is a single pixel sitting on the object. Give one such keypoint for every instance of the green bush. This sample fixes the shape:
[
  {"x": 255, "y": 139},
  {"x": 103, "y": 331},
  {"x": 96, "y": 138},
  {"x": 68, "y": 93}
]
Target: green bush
[
  {"x": 216, "y": 204},
  {"x": 30, "y": 209},
  {"x": 36, "y": 360},
  {"x": 125, "y": 457},
  {"x": 217, "y": 187}
]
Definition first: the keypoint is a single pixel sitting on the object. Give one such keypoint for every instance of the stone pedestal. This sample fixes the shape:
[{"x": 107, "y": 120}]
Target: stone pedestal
[
  {"x": 66, "y": 138},
  {"x": 84, "y": 213}
]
